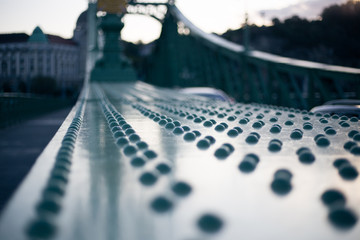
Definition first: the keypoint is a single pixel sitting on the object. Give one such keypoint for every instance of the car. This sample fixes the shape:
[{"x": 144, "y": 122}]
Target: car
[
  {"x": 341, "y": 107},
  {"x": 208, "y": 92}
]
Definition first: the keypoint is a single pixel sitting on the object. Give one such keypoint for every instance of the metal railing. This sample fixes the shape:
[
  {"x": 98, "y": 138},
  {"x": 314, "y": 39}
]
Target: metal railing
[
  {"x": 18, "y": 107},
  {"x": 186, "y": 56}
]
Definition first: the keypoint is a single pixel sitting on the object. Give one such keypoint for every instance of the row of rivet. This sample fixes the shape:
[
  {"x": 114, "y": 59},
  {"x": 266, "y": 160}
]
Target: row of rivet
[
  {"x": 297, "y": 134},
  {"x": 131, "y": 143},
  {"x": 208, "y": 222},
  {"x": 339, "y": 215},
  {"x": 162, "y": 204},
  {"x": 281, "y": 184},
  {"x": 49, "y": 206}
]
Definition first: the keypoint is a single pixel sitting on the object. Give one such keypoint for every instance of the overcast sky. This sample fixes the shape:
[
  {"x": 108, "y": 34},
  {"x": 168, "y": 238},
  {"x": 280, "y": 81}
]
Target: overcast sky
[{"x": 58, "y": 17}]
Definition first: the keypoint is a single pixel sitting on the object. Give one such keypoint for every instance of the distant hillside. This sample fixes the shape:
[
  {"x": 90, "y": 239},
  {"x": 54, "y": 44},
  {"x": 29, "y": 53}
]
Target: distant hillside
[{"x": 335, "y": 39}]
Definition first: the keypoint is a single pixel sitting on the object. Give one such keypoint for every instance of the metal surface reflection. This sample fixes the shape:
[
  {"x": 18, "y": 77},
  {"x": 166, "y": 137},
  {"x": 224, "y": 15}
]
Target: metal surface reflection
[{"x": 151, "y": 163}]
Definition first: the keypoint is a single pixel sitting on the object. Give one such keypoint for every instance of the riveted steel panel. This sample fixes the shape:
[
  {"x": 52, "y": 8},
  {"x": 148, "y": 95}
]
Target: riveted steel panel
[{"x": 133, "y": 161}]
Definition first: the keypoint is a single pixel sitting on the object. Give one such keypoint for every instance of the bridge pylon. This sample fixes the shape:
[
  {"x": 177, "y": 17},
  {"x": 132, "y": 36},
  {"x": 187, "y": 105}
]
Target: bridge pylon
[{"x": 113, "y": 65}]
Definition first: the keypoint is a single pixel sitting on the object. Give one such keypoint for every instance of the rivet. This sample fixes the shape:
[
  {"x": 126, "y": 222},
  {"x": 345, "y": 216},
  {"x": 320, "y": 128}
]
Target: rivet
[
  {"x": 161, "y": 204},
  {"x": 130, "y": 150},
  {"x": 210, "y": 223},
  {"x": 134, "y": 138},
  {"x": 178, "y": 131},
  {"x": 203, "y": 144},
  {"x": 252, "y": 138},
  {"x": 282, "y": 182},
  {"x": 248, "y": 164},
  {"x": 197, "y": 133},
  {"x": 162, "y": 122},
  {"x": 323, "y": 120},
  {"x": 150, "y": 154},
  {"x": 296, "y": 134},
  {"x": 207, "y": 124},
  {"x": 330, "y": 131},
  {"x": 170, "y": 126},
  {"x": 305, "y": 155},
  {"x": 49, "y": 205},
  {"x": 125, "y": 126},
  {"x": 291, "y": 115},
  {"x": 232, "y": 133},
  {"x": 137, "y": 162},
  {"x": 142, "y": 145},
  {"x": 122, "y": 122},
  {"x": 163, "y": 168},
  {"x": 348, "y": 145},
  {"x": 307, "y": 126},
  {"x": 231, "y": 118},
  {"x": 354, "y": 119},
  {"x": 224, "y": 151},
  {"x": 333, "y": 196},
  {"x": 119, "y": 134},
  {"x": 55, "y": 187},
  {"x": 148, "y": 178},
  {"x": 186, "y": 128},
  {"x": 198, "y": 120},
  {"x": 342, "y": 217},
  {"x": 177, "y": 123},
  {"x": 41, "y": 229},
  {"x": 129, "y": 131},
  {"x": 122, "y": 141},
  {"x": 181, "y": 189},
  {"x": 321, "y": 140},
  {"x": 344, "y": 124},
  {"x": 356, "y": 137},
  {"x": 212, "y": 121},
  {"x": 260, "y": 116},
  {"x": 189, "y": 136},
  {"x": 257, "y": 125},
  {"x": 244, "y": 121},
  {"x": 211, "y": 139},
  {"x": 347, "y": 171},
  {"x": 276, "y": 128},
  {"x": 289, "y": 123},
  {"x": 116, "y": 128},
  {"x": 355, "y": 150},
  {"x": 352, "y": 133},
  {"x": 273, "y": 119},
  {"x": 275, "y": 145}
]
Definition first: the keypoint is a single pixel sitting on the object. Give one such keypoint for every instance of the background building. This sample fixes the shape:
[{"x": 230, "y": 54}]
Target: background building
[{"x": 25, "y": 58}]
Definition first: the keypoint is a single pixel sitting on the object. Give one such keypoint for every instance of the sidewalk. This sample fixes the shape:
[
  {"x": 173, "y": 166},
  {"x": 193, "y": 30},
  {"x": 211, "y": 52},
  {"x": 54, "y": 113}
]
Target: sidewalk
[{"x": 20, "y": 145}]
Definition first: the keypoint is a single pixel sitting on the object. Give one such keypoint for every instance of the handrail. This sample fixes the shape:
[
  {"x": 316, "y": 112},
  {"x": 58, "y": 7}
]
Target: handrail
[
  {"x": 237, "y": 48},
  {"x": 197, "y": 32}
]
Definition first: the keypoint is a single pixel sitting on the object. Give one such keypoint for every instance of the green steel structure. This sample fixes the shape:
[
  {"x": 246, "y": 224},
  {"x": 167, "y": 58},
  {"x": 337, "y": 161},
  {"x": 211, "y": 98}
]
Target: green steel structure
[
  {"x": 185, "y": 56},
  {"x": 134, "y": 161}
]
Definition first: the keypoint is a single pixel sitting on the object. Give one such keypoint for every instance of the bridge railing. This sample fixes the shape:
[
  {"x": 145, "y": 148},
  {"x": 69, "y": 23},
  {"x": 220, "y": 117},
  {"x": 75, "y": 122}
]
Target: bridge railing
[
  {"x": 186, "y": 56},
  {"x": 17, "y": 107}
]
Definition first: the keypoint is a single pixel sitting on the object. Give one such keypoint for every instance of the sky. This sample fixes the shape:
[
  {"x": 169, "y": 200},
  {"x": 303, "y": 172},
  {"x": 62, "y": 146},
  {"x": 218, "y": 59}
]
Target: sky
[{"x": 58, "y": 17}]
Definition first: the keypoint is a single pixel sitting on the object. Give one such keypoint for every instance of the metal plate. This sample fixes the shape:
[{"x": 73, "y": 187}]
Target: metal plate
[{"x": 166, "y": 179}]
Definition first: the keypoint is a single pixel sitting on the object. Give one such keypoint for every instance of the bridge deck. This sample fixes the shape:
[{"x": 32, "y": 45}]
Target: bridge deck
[{"x": 133, "y": 161}]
